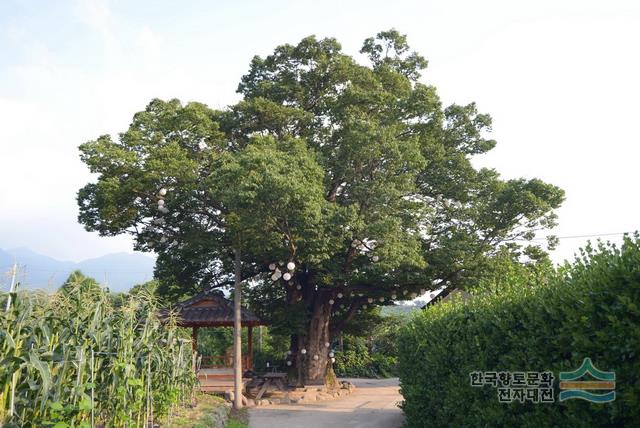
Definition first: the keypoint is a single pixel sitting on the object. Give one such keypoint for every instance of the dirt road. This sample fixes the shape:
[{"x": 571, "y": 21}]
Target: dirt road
[{"x": 374, "y": 404}]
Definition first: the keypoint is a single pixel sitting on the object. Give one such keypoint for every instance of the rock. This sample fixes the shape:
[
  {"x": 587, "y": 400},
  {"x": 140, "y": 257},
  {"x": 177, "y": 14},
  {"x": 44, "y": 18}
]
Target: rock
[{"x": 310, "y": 396}]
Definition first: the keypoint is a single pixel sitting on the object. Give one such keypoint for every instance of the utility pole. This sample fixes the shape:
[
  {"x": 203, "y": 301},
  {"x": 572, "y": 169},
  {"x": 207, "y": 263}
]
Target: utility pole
[
  {"x": 13, "y": 283},
  {"x": 237, "y": 333}
]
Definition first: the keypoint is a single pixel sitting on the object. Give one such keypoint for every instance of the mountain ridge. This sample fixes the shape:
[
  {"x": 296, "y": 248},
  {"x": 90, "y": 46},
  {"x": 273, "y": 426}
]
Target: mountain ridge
[{"x": 118, "y": 271}]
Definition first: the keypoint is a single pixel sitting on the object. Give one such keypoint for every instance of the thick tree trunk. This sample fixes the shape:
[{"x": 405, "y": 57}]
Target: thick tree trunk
[{"x": 316, "y": 362}]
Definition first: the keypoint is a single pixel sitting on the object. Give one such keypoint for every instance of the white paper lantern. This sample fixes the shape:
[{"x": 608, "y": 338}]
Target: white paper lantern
[
  {"x": 333, "y": 360},
  {"x": 272, "y": 266},
  {"x": 331, "y": 354},
  {"x": 160, "y": 202},
  {"x": 315, "y": 357},
  {"x": 404, "y": 292},
  {"x": 327, "y": 344},
  {"x": 289, "y": 352},
  {"x": 287, "y": 276},
  {"x": 339, "y": 295},
  {"x": 370, "y": 300},
  {"x": 375, "y": 258},
  {"x": 331, "y": 301},
  {"x": 298, "y": 287},
  {"x": 162, "y": 192},
  {"x": 381, "y": 299},
  {"x": 274, "y": 277},
  {"x": 304, "y": 351},
  {"x": 291, "y": 265},
  {"x": 364, "y": 306},
  {"x": 393, "y": 296},
  {"x": 288, "y": 363}
]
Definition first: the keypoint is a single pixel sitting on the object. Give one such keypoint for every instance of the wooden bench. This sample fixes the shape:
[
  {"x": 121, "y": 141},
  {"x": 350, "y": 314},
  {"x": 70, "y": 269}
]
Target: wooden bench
[{"x": 276, "y": 379}]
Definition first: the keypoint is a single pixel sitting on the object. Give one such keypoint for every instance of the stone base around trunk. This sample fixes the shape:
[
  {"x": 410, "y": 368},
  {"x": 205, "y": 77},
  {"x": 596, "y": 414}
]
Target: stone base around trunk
[{"x": 309, "y": 394}]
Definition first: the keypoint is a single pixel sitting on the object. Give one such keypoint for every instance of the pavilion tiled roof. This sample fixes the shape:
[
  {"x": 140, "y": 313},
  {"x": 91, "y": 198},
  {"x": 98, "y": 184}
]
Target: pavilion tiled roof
[{"x": 211, "y": 309}]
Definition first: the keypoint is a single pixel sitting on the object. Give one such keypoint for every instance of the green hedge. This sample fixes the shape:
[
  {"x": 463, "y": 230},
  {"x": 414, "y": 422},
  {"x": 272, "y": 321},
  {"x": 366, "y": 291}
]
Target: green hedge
[{"x": 588, "y": 309}]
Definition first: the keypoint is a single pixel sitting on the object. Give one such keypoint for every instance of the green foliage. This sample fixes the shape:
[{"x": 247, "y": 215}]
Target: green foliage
[
  {"x": 216, "y": 341},
  {"x": 48, "y": 374},
  {"x": 77, "y": 282},
  {"x": 354, "y": 171},
  {"x": 273, "y": 349},
  {"x": 370, "y": 350},
  {"x": 355, "y": 360},
  {"x": 325, "y": 161},
  {"x": 546, "y": 322},
  {"x": 358, "y": 360}
]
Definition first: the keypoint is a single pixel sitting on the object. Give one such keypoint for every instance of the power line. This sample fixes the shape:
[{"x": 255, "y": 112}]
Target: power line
[{"x": 596, "y": 235}]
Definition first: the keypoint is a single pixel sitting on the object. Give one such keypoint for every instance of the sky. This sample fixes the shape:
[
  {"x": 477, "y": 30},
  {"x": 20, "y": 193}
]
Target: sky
[{"x": 560, "y": 79}]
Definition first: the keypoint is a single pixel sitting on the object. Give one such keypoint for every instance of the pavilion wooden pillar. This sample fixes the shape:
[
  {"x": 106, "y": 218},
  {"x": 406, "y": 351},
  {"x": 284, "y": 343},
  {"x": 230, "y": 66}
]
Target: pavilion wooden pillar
[
  {"x": 194, "y": 340},
  {"x": 194, "y": 348},
  {"x": 250, "y": 348}
]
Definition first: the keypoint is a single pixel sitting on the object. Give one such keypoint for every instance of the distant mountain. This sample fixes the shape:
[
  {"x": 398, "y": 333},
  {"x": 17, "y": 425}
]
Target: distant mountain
[{"x": 118, "y": 271}]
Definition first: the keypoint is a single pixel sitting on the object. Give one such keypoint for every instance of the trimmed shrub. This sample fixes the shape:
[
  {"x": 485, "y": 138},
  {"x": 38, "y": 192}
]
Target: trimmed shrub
[{"x": 588, "y": 309}]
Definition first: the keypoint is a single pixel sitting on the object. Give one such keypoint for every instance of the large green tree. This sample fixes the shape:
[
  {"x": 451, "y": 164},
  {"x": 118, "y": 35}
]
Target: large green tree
[{"x": 344, "y": 185}]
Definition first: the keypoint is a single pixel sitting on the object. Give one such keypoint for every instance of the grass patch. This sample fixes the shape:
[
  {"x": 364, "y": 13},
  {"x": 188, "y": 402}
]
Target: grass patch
[
  {"x": 208, "y": 412},
  {"x": 238, "y": 418}
]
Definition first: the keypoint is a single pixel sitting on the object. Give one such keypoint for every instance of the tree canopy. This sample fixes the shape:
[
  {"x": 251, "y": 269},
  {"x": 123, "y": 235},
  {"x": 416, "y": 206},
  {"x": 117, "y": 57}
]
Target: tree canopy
[{"x": 345, "y": 185}]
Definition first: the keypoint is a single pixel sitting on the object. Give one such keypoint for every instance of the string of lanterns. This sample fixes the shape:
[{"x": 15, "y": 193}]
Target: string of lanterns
[
  {"x": 365, "y": 246},
  {"x": 315, "y": 357}
]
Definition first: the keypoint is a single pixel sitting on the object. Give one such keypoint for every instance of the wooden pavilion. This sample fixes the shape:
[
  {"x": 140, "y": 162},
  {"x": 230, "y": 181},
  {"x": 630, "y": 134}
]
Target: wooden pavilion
[{"x": 211, "y": 309}]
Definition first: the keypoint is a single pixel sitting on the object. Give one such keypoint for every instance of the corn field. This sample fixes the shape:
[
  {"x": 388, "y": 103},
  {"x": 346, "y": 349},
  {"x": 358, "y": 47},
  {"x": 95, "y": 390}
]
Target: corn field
[{"x": 80, "y": 358}]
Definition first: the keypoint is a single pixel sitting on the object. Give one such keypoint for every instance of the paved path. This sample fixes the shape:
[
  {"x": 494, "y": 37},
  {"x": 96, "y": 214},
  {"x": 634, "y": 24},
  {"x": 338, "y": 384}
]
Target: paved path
[{"x": 373, "y": 404}]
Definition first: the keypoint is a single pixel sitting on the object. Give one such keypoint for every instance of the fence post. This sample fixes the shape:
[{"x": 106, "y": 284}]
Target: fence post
[{"x": 93, "y": 404}]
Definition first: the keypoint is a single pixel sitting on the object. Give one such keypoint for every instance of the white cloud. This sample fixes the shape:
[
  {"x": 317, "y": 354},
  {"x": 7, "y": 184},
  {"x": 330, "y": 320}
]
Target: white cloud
[{"x": 559, "y": 79}]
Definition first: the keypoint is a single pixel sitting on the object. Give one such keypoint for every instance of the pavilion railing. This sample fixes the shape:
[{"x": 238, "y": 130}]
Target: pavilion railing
[{"x": 222, "y": 361}]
